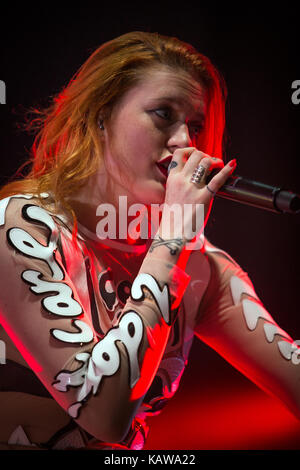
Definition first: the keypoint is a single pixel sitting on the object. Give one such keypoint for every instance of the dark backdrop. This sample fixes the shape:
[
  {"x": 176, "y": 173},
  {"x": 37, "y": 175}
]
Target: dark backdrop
[{"x": 42, "y": 47}]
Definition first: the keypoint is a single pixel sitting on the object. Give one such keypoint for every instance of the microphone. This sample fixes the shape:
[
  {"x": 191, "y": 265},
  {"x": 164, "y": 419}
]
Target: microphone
[{"x": 254, "y": 193}]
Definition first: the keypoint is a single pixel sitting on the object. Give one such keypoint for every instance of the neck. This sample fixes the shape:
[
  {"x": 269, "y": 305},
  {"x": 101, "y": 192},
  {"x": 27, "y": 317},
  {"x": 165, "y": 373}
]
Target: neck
[{"x": 114, "y": 217}]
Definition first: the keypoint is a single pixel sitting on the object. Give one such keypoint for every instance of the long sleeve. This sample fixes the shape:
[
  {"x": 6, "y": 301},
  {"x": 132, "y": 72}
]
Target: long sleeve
[
  {"x": 234, "y": 322},
  {"x": 100, "y": 383}
]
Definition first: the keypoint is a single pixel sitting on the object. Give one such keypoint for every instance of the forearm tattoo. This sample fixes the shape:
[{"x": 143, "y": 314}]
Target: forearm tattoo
[{"x": 174, "y": 244}]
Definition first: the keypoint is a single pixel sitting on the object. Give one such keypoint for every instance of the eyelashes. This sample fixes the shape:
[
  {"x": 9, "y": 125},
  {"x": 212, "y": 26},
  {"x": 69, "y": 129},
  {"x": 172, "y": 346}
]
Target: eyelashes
[{"x": 164, "y": 113}]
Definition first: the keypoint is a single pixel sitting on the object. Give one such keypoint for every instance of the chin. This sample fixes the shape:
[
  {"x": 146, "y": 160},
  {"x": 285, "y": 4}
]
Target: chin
[
  {"x": 155, "y": 197},
  {"x": 153, "y": 193}
]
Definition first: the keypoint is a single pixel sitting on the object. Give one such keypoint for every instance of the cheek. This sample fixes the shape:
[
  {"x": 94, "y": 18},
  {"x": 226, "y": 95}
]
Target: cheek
[
  {"x": 132, "y": 136},
  {"x": 136, "y": 144},
  {"x": 142, "y": 148}
]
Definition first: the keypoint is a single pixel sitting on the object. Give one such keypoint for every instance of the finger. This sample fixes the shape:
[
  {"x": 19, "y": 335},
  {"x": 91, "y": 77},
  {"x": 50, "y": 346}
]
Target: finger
[
  {"x": 197, "y": 159},
  {"x": 203, "y": 169},
  {"x": 215, "y": 163},
  {"x": 220, "y": 178},
  {"x": 180, "y": 156}
]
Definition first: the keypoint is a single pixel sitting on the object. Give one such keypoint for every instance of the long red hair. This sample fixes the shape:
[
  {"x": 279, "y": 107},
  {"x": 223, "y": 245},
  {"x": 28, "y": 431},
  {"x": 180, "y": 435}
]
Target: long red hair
[{"x": 67, "y": 148}]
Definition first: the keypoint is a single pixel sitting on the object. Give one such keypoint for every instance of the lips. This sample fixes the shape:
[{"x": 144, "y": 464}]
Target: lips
[{"x": 163, "y": 165}]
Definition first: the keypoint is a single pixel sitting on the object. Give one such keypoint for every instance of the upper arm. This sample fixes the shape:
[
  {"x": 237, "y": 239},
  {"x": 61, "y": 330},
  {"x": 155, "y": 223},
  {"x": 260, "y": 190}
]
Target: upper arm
[
  {"x": 234, "y": 322},
  {"x": 41, "y": 311},
  {"x": 228, "y": 286}
]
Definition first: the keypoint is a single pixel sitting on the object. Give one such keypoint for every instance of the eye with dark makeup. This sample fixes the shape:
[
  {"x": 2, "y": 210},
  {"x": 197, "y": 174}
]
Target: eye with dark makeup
[
  {"x": 196, "y": 128},
  {"x": 166, "y": 116},
  {"x": 164, "y": 113}
]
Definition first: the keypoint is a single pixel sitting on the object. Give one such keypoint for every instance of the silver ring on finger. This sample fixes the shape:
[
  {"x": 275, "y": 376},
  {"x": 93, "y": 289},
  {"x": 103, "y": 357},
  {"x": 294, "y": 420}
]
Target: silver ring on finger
[{"x": 198, "y": 174}]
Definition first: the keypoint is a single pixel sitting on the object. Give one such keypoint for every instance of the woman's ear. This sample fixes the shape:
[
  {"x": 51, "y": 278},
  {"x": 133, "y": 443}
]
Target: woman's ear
[{"x": 103, "y": 115}]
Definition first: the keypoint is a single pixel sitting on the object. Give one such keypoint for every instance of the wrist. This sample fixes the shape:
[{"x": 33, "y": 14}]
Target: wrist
[
  {"x": 170, "y": 250},
  {"x": 162, "y": 242}
]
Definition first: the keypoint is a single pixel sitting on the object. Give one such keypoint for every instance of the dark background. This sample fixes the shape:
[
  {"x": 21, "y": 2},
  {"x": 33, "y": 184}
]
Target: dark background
[{"x": 42, "y": 47}]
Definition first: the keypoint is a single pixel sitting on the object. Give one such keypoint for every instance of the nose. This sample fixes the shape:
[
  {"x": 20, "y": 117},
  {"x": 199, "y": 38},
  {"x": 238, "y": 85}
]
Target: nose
[{"x": 179, "y": 137}]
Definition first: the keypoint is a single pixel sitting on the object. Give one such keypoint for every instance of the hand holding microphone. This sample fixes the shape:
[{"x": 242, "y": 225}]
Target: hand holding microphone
[
  {"x": 186, "y": 187},
  {"x": 254, "y": 193}
]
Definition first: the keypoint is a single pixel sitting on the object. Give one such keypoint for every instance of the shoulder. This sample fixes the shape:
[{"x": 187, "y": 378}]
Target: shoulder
[
  {"x": 26, "y": 212},
  {"x": 229, "y": 284},
  {"x": 219, "y": 259},
  {"x": 218, "y": 255},
  {"x": 29, "y": 229},
  {"x": 11, "y": 208},
  {"x": 212, "y": 264},
  {"x": 19, "y": 221},
  {"x": 225, "y": 270}
]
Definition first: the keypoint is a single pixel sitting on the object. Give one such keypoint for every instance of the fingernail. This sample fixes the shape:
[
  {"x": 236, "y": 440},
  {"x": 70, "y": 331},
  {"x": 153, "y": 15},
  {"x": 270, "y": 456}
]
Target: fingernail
[{"x": 232, "y": 162}]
